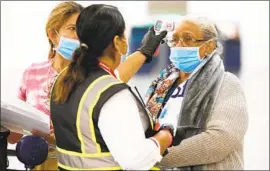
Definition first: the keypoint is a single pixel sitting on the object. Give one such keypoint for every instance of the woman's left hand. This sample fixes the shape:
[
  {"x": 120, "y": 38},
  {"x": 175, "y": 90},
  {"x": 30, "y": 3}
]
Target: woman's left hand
[{"x": 48, "y": 137}]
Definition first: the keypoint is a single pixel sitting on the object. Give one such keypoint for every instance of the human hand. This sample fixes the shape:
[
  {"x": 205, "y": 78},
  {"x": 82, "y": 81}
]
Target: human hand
[
  {"x": 168, "y": 120},
  {"x": 151, "y": 42}
]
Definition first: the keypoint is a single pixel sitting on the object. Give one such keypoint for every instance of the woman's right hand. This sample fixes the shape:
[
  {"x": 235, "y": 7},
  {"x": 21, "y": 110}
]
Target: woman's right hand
[
  {"x": 151, "y": 42},
  {"x": 167, "y": 119},
  {"x": 166, "y": 127}
]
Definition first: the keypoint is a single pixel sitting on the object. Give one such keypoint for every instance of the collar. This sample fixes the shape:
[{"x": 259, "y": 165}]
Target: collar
[{"x": 107, "y": 69}]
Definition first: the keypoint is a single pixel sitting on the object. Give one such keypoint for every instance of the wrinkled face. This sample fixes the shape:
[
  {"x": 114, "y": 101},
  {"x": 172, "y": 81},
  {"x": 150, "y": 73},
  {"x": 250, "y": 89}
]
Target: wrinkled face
[{"x": 190, "y": 34}]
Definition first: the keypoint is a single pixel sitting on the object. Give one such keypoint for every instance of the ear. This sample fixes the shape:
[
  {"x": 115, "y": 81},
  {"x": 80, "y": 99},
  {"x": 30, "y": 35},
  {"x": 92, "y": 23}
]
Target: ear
[
  {"x": 211, "y": 46},
  {"x": 116, "y": 43},
  {"x": 203, "y": 50},
  {"x": 207, "y": 48},
  {"x": 53, "y": 37}
]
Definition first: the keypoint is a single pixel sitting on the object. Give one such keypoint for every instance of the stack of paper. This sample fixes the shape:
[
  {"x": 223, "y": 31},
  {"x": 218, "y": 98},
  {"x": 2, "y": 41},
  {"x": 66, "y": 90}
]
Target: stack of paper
[{"x": 19, "y": 116}]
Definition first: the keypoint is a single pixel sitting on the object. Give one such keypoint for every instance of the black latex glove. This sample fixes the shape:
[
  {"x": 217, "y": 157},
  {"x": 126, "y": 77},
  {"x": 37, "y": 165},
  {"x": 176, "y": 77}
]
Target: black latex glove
[
  {"x": 181, "y": 134},
  {"x": 150, "y": 43}
]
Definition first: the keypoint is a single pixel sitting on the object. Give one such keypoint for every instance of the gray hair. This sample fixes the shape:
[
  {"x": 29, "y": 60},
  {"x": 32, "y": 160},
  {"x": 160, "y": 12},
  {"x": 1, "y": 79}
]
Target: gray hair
[{"x": 209, "y": 30}]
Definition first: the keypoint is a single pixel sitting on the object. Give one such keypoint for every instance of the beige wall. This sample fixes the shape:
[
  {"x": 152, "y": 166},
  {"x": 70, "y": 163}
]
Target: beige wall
[{"x": 167, "y": 7}]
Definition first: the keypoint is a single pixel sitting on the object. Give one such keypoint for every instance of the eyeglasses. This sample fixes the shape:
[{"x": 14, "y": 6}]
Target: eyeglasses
[{"x": 186, "y": 41}]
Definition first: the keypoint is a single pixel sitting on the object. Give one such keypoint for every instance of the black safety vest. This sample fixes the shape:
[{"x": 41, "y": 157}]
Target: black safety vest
[{"x": 79, "y": 142}]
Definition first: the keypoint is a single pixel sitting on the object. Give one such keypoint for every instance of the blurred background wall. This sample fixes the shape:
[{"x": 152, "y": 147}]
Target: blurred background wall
[{"x": 246, "y": 24}]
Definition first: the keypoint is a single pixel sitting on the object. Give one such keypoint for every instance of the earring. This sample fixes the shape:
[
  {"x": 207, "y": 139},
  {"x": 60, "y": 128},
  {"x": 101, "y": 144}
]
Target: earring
[{"x": 53, "y": 47}]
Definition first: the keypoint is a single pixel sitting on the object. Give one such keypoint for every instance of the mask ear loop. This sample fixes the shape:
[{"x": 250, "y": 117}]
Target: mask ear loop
[
  {"x": 126, "y": 41},
  {"x": 206, "y": 54},
  {"x": 57, "y": 33},
  {"x": 122, "y": 39},
  {"x": 53, "y": 42},
  {"x": 54, "y": 48}
]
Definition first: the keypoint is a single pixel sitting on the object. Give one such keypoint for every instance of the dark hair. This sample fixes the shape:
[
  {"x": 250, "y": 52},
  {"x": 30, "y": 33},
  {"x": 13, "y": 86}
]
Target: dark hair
[{"x": 96, "y": 27}]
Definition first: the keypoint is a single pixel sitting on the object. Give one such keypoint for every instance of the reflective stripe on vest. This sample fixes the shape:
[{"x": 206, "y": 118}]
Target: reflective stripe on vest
[
  {"x": 91, "y": 157},
  {"x": 76, "y": 161},
  {"x": 87, "y": 161},
  {"x": 84, "y": 119}
]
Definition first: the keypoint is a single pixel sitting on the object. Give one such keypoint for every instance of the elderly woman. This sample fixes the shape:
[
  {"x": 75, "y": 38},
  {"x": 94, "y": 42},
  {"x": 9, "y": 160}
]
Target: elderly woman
[
  {"x": 200, "y": 93},
  {"x": 197, "y": 92}
]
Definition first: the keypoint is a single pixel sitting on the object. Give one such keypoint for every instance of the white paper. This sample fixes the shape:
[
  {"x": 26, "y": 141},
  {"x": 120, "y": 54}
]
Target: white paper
[{"x": 20, "y": 117}]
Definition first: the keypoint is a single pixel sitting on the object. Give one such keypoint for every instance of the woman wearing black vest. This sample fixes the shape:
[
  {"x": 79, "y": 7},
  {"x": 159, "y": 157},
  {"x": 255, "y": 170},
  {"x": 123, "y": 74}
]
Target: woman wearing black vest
[{"x": 99, "y": 123}]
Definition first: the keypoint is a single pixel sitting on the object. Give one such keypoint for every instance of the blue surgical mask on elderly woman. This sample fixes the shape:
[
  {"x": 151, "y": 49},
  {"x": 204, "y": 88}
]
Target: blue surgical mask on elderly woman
[
  {"x": 67, "y": 46},
  {"x": 186, "y": 59}
]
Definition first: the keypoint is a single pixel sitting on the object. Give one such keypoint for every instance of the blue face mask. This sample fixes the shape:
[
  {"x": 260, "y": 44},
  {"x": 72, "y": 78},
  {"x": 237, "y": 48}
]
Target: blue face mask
[
  {"x": 186, "y": 59},
  {"x": 67, "y": 46}
]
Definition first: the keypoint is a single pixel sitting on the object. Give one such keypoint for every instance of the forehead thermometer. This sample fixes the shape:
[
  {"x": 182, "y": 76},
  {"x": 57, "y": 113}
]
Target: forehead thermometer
[
  {"x": 160, "y": 26},
  {"x": 164, "y": 25}
]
